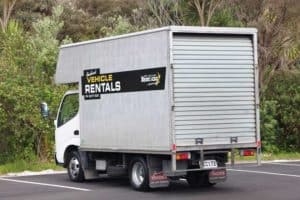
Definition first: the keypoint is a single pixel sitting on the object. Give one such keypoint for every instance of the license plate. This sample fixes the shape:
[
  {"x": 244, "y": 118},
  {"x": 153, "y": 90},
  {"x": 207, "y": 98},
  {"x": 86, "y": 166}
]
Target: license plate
[{"x": 210, "y": 164}]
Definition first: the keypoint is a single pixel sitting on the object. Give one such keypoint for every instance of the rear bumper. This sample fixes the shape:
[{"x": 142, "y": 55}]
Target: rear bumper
[
  {"x": 216, "y": 147},
  {"x": 206, "y": 152}
]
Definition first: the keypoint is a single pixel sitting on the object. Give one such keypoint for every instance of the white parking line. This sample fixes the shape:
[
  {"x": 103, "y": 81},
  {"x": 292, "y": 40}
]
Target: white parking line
[
  {"x": 284, "y": 164},
  {"x": 262, "y": 172},
  {"x": 45, "y": 184},
  {"x": 30, "y": 173}
]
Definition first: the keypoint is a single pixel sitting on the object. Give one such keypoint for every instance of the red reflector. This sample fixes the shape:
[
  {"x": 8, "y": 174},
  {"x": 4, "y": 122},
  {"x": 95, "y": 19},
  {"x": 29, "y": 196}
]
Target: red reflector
[
  {"x": 183, "y": 156},
  {"x": 258, "y": 144},
  {"x": 247, "y": 152},
  {"x": 174, "y": 147},
  {"x": 217, "y": 173}
]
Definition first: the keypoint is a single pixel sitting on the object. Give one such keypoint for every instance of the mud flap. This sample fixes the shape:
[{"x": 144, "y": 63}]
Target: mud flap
[
  {"x": 157, "y": 178},
  {"x": 89, "y": 171},
  {"x": 217, "y": 176}
]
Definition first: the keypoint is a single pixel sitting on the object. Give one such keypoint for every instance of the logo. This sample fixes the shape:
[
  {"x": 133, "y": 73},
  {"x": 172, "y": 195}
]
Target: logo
[
  {"x": 158, "y": 176},
  {"x": 151, "y": 79}
]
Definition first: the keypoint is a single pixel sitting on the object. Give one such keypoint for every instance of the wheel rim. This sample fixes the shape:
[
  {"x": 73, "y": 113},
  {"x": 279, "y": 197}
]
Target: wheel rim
[
  {"x": 74, "y": 167},
  {"x": 138, "y": 174}
]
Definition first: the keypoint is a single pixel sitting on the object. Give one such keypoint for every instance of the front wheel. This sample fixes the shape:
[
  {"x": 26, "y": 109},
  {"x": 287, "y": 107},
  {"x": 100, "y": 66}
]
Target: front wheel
[
  {"x": 74, "y": 166},
  {"x": 139, "y": 176}
]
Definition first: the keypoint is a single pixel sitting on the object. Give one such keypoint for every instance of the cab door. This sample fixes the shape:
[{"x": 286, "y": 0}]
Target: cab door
[{"x": 67, "y": 125}]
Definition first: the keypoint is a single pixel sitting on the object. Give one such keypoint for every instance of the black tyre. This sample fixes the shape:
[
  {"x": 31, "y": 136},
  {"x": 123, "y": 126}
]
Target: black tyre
[
  {"x": 193, "y": 179},
  {"x": 74, "y": 167},
  {"x": 198, "y": 179},
  {"x": 205, "y": 179},
  {"x": 139, "y": 174}
]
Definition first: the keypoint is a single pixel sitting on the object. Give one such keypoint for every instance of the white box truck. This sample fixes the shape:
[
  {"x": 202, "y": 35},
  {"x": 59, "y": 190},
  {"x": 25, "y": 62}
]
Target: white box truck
[{"x": 158, "y": 105}]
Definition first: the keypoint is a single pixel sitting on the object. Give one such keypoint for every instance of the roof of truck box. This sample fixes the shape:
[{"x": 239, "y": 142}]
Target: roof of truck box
[
  {"x": 175, "y": 29},
  {"x": 131, "y": 51}
]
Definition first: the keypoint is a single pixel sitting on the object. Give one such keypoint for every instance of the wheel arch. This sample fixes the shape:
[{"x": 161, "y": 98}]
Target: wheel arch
[{"x": 68, "y": 150}]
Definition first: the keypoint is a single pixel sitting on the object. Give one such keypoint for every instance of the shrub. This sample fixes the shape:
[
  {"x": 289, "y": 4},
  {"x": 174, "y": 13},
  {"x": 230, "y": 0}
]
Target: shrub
[{"x": 280, "y": 112}]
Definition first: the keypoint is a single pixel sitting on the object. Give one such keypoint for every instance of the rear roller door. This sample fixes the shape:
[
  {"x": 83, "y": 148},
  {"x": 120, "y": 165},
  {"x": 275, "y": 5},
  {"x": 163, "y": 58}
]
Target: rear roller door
[{"x": 214, "y": 89}]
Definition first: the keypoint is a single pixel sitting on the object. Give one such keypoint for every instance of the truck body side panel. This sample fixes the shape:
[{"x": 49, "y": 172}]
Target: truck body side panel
[{"x": 126, "y": 121}]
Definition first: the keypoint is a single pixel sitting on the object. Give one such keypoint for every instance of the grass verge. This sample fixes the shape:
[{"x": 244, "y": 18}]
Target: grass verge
[
  {"x": 22, "y": 165},
  {"x": 272, "y": 156}
]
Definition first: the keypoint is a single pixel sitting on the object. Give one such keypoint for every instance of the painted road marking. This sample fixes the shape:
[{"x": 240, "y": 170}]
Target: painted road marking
[
  {"x": 285, "y": 164},
  {"x": 30, "y": 173},
  {"x": 45, "y": 184},
  {"x": 262, "y": 172}
]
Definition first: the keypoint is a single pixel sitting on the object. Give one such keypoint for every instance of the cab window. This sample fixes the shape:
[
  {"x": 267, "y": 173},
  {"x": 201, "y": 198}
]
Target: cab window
[{"x": 68, "y": 109}]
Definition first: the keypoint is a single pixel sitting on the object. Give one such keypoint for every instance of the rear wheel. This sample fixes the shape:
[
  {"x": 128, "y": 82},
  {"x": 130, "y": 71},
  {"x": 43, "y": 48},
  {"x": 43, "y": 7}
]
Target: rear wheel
[
  {"x": 199, "y": 179},
  {"x": 139, "y": 176},
  {"x": 193, "y": 179},
  {"x": 74, "y": 167},
  {"x": 205, "y": 179}
]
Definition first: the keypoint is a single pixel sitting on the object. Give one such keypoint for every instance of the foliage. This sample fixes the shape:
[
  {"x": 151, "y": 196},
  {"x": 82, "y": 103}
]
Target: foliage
[
  {"x": 225, "y": 17},
  {"x": 119, "y": 26},
  {"x": 26, "y": 66},
  {"x": 7, "y": 6},
  {"x": 278, "y": 32},
  {"x": 269, "y": 126},
  {"x": 44, "y": 42},
  {"x": 166, "y": 12},
  {"x": 280, "y": 114},
  {"x": 26, "y": 135},
  {"x": 90, "y": 19},
  {"x": 13, "y": 47},
  {"x": 28, "y": 11},
  {"x": 205, "y": 10}
]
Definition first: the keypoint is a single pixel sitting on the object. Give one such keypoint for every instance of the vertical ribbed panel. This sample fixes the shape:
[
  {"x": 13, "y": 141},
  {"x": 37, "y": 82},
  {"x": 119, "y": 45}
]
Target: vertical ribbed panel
[{"x": 213, "y": 89}]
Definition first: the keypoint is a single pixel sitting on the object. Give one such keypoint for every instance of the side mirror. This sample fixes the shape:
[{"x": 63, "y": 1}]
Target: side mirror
[{"x": 44, "y": 110}]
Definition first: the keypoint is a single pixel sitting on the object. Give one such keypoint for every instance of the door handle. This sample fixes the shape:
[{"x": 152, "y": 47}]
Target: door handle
[{"x": 76, "y": 132}]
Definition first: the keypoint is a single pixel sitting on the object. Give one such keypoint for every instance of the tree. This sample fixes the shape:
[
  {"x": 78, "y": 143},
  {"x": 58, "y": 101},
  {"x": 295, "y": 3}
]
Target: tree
[
  {"x": 166, "y": 12},
  {"x": 27, "y": 61},
  {"x": 90, "y": 19},
  {"x": 205, "y": 10},
  {"x": 280, "y": 118},
  {"x": 44, "y": 42},
  {"x": 119, "y": 26},
  {"x": 28, "y": 11},
  {"x": 8, "y": 6},
  {"x": 184, "y": 12},
  {"x": 278, "y": 33}
]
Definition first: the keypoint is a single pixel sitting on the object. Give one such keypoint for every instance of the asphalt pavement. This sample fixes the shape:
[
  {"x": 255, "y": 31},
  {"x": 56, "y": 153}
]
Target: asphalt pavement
[{"x": 270, "y": 181}]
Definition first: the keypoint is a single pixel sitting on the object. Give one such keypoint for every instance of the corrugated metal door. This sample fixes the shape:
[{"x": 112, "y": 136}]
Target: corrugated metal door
[{"x": 213, "y": 89}]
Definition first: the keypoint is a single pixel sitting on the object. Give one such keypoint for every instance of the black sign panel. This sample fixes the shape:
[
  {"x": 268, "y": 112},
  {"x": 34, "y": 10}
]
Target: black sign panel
[{"x": 94, "y": 83}]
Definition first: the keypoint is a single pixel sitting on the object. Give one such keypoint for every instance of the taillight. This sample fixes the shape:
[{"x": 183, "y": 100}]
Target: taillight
[
  {"x": 247, "y": 152},
  {"x": 183, "y": 156}
]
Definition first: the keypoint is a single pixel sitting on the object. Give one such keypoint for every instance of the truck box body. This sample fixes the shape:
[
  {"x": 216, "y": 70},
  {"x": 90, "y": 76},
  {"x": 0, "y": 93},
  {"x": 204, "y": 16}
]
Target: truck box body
[{"x": 207, "y": 96}]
